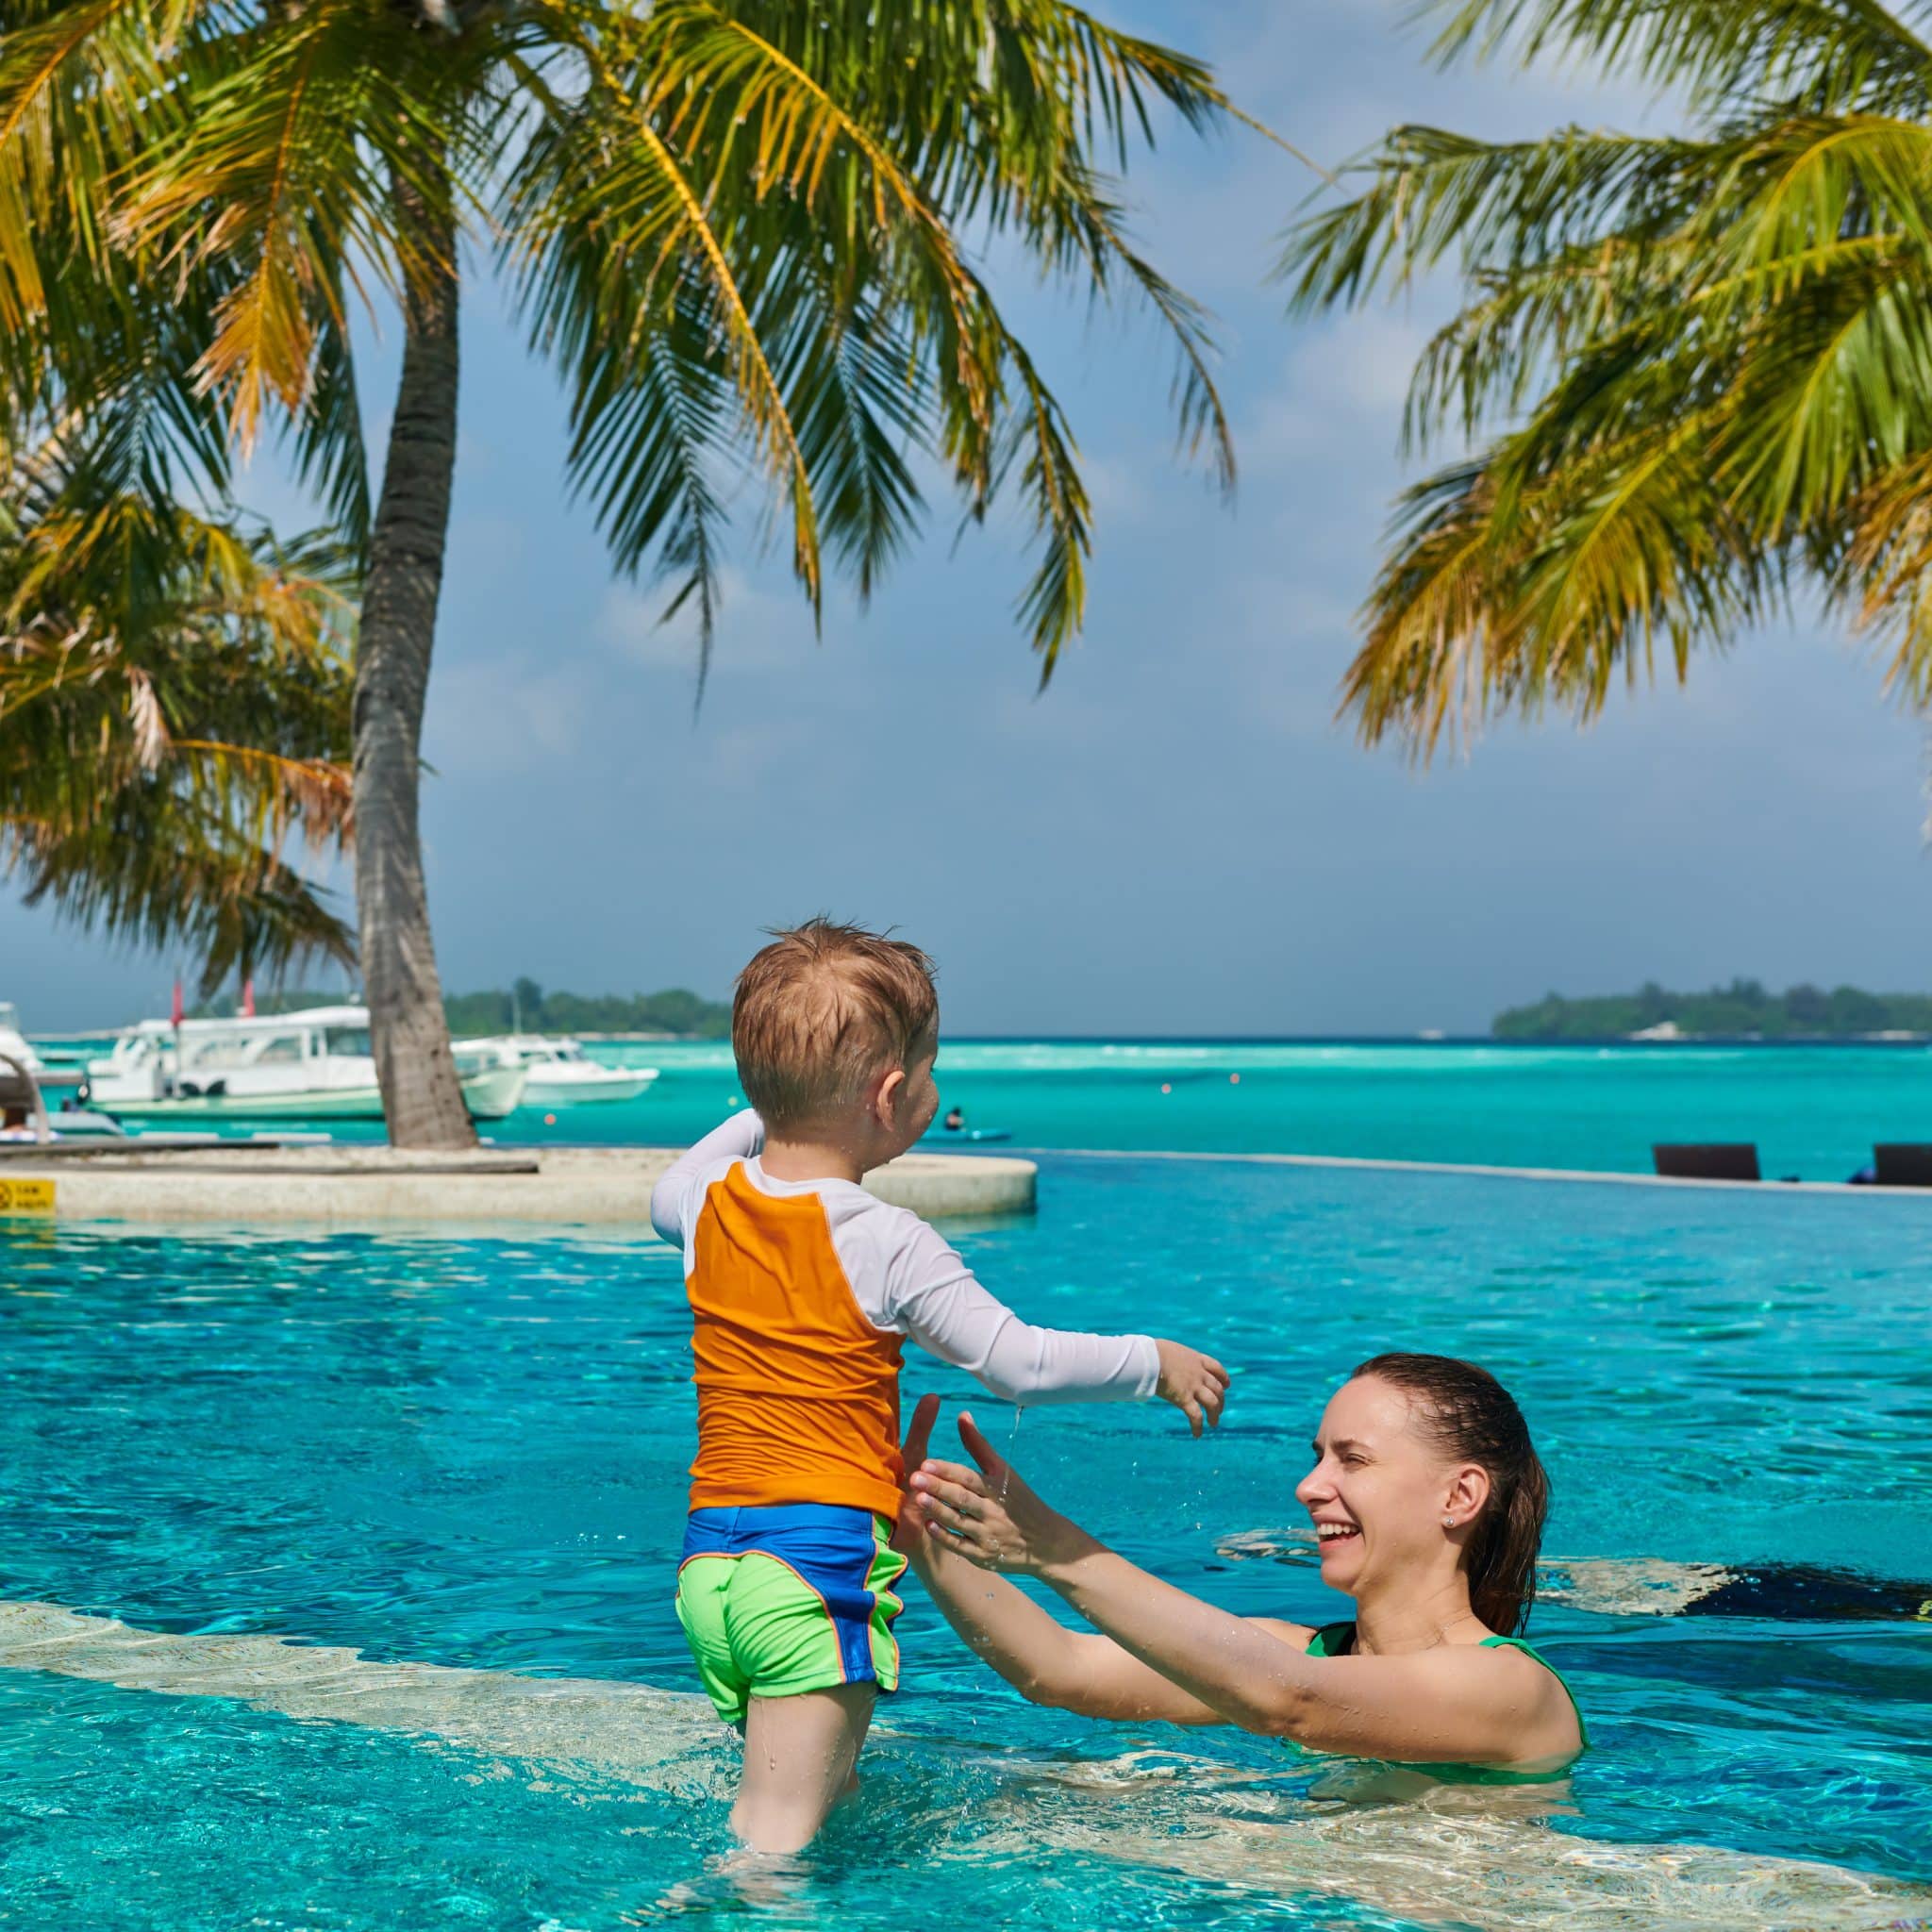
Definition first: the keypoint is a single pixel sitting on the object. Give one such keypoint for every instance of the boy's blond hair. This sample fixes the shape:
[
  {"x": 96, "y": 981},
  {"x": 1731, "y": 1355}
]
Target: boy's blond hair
[{"x": 822, "y": 1011}]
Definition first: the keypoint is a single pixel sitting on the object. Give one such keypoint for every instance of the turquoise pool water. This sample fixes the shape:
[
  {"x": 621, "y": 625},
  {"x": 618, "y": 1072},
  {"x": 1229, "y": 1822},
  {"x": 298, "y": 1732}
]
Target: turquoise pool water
[{"x": 451, "y": 1472}]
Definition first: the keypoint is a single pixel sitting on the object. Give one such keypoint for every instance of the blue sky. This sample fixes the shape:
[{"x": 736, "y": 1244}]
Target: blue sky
[{"x": 1178, "y": 836}]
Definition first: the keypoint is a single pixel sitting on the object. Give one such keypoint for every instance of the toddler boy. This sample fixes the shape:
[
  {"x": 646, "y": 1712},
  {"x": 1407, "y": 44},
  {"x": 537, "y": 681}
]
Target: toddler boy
[{"x": 804, "y": 1289}]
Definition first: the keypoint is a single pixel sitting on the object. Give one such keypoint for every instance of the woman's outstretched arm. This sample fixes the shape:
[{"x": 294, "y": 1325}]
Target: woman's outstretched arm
[
  {"x": 1043, "y": 1660},
  {"x": 1457, "y": 1703}
]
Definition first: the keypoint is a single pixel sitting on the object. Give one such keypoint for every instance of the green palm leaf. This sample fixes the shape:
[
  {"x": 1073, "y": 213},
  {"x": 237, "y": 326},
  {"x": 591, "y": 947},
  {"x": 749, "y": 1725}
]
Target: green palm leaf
[
  {"x": 1708, "y": 357},
  {"x": 173, "y": 707}
]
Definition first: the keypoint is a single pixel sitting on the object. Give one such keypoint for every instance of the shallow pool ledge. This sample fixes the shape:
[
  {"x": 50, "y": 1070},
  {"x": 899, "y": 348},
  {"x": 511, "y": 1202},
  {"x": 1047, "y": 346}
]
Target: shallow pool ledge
[{"x": 346, "y": 1186}]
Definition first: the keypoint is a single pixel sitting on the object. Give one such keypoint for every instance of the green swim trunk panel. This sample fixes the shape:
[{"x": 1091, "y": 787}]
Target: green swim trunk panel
[{"x": 760, "y": 1627}]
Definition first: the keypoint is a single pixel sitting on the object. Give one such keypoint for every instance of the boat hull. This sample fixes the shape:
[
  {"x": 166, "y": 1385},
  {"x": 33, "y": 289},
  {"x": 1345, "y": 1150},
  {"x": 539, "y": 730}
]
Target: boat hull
[
  {"x": 552, "y": 1091},
  {"x": 494, "y": 1092},
  {"x": 488, "y": 1095}
]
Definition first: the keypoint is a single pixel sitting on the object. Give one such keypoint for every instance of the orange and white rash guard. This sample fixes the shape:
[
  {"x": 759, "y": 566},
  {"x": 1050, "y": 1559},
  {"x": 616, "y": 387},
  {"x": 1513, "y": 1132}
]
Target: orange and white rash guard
[{"x": 803, "y": 1295}]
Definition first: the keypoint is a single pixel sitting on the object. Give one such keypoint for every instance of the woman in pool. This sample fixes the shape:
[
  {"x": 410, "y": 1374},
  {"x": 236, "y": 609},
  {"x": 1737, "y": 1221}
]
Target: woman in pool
[{"x": 1428, "y": 1500}]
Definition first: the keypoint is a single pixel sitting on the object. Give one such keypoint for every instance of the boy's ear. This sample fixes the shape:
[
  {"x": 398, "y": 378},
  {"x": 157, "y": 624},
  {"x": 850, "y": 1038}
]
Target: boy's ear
[{"x": 885, "y": 1102}]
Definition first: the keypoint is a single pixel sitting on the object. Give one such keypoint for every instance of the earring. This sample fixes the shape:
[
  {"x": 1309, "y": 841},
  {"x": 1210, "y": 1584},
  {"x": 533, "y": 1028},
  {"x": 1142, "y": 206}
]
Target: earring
[{"x": 1448, "y": 1522}]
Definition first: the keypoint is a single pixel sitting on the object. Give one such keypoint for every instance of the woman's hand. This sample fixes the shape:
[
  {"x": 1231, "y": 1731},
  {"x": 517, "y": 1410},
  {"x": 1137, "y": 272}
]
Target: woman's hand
[
  {"x": 990, "y": 1516},
  {"x": 908, "y": 1532}
]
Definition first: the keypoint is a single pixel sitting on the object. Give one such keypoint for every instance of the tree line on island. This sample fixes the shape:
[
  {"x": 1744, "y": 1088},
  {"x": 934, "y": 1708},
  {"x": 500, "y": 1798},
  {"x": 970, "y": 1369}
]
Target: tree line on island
[
  {"x": 527, "y": 1008},
  {"x": 1743, "y": 1009}
]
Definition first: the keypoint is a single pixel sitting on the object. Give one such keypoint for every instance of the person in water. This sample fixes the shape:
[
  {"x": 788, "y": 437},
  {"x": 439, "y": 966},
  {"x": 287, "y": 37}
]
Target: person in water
[
  {"x": 1428, "y": 1500},
  {"x": 804, "y": 1289},
  {"x": 955, "y": 1120}
]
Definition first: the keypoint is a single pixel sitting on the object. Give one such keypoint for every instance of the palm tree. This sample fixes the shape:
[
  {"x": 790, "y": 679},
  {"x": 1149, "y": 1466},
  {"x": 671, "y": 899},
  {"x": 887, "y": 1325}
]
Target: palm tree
[
  {"x": 173, "y": 708},
  {"x": 739, "y": 226},
  {"x": 1693, "y": 372}
]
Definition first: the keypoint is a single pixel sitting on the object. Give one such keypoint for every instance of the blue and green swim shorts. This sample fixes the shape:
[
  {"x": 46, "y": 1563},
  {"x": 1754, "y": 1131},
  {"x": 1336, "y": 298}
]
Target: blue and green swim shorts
[{"x": 793, "y": 1597}]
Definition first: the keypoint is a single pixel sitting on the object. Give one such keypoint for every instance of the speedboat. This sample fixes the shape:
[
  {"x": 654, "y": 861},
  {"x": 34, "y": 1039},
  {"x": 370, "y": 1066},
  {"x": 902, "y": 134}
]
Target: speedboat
[
  {"x": 562, "y": 1073},
  {"x": 313, "y": 1065}
]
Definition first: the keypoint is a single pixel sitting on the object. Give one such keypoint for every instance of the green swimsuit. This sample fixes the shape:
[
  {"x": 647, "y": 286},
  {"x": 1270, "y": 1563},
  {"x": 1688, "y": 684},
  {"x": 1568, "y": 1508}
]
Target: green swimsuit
[{"x": 1337, "y": 1640}]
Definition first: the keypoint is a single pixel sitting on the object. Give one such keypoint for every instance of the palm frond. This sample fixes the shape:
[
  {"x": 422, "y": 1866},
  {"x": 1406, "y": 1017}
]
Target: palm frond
[
  {"x": 80, "y": 91},
  {"x": 759, "y": 178},
  {"x": 175, "y": 698},
  {"x": 1832, "y": 53},
  {"x": 1496, "y": 600},
  {"x": 602, "y": 169},
  {"x": 286, "y": 173},
  {"x": 1711, "y": 355}
]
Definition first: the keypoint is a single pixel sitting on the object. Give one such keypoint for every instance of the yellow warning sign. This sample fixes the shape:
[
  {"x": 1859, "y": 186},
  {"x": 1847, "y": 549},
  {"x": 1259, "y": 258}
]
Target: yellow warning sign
[{"x": 26, "y": 1197}]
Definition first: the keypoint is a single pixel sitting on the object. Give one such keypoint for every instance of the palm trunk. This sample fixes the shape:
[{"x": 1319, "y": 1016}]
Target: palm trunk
[{"x": 421, "y": 1096}]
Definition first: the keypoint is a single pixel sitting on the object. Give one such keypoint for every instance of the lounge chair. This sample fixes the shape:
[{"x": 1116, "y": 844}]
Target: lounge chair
[
  {"x": 1902, "y": 1164},
  {"x": 1708, "y": 1160}
]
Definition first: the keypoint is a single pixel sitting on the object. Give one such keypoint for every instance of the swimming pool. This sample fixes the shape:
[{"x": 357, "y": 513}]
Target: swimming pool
[{"x": 462, "y": 1460}]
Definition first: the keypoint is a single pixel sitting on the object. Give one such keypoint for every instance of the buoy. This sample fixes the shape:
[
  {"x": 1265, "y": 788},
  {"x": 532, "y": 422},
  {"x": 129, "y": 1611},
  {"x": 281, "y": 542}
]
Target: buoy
[
  {"x": 549, "y": 1119},
  {"x": 1234, "y": 1079},
  {"x": 1165, "y": 1088}
]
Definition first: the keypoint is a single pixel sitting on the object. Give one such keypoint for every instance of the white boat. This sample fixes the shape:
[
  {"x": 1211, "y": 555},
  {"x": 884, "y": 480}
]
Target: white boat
[
  {"x": 562, "y": 1073},
  {"x": 311, "y": 1065},
  {"x": 53, "y": 1080},
  {"x": 13, "y": 1041}
]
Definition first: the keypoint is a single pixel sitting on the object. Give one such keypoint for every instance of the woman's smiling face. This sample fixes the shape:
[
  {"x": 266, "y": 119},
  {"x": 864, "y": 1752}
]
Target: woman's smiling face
[{"x": 1380, "y": 1488}]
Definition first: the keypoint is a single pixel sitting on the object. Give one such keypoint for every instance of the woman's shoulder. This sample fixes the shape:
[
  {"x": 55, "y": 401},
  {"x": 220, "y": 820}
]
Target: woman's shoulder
[{"x": 1516, "y": 1654}]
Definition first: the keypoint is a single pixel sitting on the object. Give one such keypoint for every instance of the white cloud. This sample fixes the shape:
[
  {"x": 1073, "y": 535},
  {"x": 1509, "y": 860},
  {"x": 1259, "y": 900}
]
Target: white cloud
[
  {"x": 756, "y": 629},
  {"x": 502, "y": 715},
  {"x": 1351, "y": 375}
]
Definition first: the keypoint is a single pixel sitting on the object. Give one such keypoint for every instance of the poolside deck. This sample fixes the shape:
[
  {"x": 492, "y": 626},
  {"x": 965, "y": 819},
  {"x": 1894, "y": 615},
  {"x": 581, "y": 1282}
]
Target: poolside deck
[{"x": 590, "y": 1186}]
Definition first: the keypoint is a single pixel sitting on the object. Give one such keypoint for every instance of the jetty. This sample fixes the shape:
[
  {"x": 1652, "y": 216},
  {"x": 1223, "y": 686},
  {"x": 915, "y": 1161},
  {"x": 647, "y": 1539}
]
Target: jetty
[{"x": 338, "y": 1186}]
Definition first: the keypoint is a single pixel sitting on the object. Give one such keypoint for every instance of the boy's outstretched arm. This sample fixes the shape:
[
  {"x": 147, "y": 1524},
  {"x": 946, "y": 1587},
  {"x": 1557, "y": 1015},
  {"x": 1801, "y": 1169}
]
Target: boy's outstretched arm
[
  {"x": 676, "y": 1199},
  {"x": 1196, "y": 1384},
  {"x": 942, "y": 1305}
]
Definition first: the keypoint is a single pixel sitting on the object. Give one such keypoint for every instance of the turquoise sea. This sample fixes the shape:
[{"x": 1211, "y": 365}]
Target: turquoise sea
[{"x": 1814, "y": 1111}]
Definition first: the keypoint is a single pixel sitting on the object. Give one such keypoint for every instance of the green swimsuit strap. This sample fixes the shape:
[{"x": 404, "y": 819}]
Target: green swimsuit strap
[
  {"x": 1530, "y": 1651},
  {"x": 1331, "y": 1639},
  {"x": 1337, "y": 1640}
]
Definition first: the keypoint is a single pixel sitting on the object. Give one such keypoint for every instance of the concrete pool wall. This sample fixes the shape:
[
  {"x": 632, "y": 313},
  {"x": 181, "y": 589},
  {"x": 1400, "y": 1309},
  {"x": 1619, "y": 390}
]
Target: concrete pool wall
[{"x": 346, "y": 1186}]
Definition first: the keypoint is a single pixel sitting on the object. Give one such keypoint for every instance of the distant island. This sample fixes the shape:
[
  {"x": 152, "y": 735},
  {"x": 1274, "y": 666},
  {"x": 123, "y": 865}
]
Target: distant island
[
  {"x": 1742, "y": 1010},
  {"x": 526, "y": 1007}
]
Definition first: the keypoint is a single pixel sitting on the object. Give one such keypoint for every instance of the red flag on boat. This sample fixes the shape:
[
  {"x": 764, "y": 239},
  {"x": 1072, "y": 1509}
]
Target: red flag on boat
[
  {"x": 176, "y": 1011},
  {"x": 248, "y": 999}
]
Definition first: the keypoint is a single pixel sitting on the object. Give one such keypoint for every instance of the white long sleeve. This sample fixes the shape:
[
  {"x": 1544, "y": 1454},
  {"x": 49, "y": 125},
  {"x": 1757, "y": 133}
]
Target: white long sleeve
[
  {"x": 907, "y": 1281},
  {"x": 680, "y": 1190},
  {"x": 940, "y": 1304}
]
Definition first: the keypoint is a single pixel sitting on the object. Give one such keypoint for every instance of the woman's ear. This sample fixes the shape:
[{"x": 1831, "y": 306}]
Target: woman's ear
[{"x": 1469, "y": 1491}]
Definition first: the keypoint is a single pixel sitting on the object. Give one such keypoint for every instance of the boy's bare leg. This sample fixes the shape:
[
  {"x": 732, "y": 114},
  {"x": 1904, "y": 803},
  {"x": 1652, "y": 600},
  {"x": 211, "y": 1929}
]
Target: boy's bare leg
[{"x": 799, "y": 1754}]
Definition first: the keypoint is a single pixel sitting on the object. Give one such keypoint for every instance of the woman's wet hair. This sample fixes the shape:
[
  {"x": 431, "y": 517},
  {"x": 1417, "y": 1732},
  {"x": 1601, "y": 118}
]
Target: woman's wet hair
[{"x": 1470, "y": 1416}]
